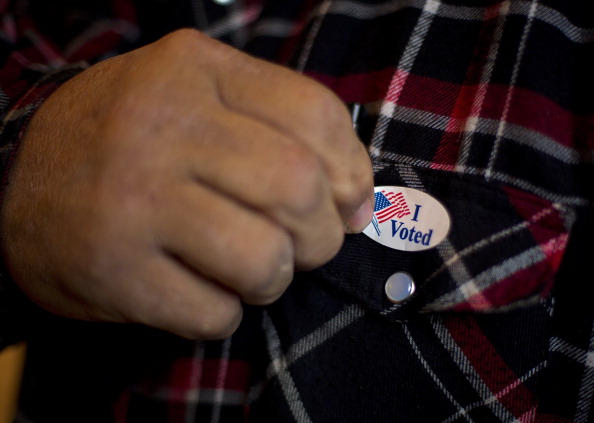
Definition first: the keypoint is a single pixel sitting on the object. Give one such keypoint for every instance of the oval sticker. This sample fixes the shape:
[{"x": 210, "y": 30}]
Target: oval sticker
[{"x": 407, "y": 219}]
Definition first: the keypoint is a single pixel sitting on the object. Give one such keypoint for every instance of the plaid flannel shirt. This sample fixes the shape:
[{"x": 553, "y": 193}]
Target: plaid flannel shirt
[{"x": 485, "y": 105}]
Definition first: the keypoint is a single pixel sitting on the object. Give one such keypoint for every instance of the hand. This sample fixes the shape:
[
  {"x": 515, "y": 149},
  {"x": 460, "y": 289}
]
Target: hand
[{"x": 169, "y": 184}]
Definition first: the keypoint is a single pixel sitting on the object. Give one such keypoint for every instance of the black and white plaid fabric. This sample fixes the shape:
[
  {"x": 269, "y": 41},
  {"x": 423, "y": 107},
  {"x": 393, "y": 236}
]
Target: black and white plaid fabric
[{"x": 485, "y": 105}]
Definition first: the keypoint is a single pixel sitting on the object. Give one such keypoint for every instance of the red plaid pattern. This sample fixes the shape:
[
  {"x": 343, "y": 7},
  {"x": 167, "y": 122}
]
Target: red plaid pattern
[{"x": 487, "y": 106}]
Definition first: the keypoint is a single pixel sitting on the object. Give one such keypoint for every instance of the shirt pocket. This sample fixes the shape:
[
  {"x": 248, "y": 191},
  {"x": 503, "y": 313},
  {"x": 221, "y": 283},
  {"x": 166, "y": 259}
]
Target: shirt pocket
[{"x": 503, "y": 250}]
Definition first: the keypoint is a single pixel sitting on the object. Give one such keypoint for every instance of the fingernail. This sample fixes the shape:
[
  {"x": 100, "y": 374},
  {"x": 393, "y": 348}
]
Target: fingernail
[{"x": 361, "y": 218}]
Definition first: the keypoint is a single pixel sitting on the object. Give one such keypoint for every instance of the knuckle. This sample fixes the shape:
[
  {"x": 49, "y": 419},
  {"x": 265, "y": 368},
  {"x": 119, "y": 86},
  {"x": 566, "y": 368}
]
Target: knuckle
[
  {"x": 334, "y": 239},
  {"x": 269, "y": 269},
  {"x": 181, "y": 38},
  {"x": 219, "y": 323},
  {"x": 320, "y": 98},
  {"x": 355, "y": 186},
  {"x": 324, "y": 248},
  {"x": 327, "y": 108},
  {"x": 180, "y": 41},
  {"x": 304, "y": 181},
  {"x": 171, "y": 308}
]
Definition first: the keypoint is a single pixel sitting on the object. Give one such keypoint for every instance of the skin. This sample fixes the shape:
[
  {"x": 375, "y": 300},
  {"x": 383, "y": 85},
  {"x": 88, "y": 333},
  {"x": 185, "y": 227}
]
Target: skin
[{"x": 167, "y": 185}]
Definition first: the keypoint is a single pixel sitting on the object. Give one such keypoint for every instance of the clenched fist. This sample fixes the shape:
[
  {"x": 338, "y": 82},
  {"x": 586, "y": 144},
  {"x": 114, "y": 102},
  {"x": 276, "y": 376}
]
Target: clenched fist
[{"x": 169, "y": 184}]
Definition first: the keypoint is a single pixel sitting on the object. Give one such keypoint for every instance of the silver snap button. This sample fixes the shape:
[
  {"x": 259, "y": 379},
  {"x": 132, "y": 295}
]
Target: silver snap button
[
  {"x": 223, "y": 2},
  {"x": 399, "y": 287}
]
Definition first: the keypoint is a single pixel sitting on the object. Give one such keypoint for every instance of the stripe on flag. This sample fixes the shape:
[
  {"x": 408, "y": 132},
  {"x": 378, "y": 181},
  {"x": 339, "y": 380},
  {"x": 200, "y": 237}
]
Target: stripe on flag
[{"x": 388, "y": 205}]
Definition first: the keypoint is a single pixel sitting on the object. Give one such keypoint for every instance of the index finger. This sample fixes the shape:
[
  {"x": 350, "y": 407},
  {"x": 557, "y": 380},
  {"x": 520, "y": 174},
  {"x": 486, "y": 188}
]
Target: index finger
[{"x": 310, "y": 113}]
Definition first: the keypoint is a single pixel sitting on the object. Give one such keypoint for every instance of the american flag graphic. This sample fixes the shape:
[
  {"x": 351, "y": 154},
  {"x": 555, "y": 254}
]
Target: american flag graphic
[{"x": 388, "y": 205}]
